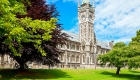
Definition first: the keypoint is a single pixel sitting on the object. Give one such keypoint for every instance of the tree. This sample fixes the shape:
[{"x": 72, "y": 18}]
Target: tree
[
  {"x": 122, "y": 55},
  {"x": 16, "y": 33},
  {"x": 137, "y": 38},
  {"x": 134, "y": 52},
  {"x": 38, "y": 10},
  {"x": 116, "y": 57}
]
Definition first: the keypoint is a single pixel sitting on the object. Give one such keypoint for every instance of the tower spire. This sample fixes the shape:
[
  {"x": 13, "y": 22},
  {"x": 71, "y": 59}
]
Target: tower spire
[{"x": 85, "y": 1}]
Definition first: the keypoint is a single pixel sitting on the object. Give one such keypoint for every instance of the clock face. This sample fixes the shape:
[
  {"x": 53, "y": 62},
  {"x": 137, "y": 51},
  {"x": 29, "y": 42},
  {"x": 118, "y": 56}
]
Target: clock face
[
  {"x": 90, "y": 17},
  {"x": 83, "y": 17}
]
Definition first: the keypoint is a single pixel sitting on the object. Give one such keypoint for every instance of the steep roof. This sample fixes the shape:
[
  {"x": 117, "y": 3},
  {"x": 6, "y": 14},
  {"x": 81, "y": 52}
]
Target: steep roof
[
  {"x": 103, "y": 44},
  {"x": 75, "y": 37}
]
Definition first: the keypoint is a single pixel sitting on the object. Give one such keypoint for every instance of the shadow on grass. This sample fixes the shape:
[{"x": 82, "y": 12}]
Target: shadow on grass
[
  {"x": 134, "y": 71},
  {"x": 126, "y": 76},
  {"x": 32, "y": 74}
]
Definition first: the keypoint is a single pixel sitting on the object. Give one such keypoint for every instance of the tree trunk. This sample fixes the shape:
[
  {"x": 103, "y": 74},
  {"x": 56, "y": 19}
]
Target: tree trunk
[
  {"x": 23, "y": 66},
  {"x": 118, "y": 70},
  {"x": 49, "y": 66}
]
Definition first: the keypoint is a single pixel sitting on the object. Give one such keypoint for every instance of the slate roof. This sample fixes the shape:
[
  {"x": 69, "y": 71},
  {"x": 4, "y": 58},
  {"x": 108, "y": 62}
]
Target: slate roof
[
  {"x": 75, "y": 37},
  {"x": 103, "y": 44}
]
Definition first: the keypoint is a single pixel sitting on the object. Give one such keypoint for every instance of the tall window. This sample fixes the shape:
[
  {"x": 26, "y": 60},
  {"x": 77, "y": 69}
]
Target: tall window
[
  {"x": 67, "y": 46},
  {"x": 62, "y": 57},
  {"x": 62, "y": 46},
  {"x": 68, "y": 58},
  {"x": 73, "y": 58},
  {"x": 91, "y": 59},
  {"x": 83, "y": 47},
  {"x": 77, "y": 59},
  {"x": 83, "y": 59},
  {"x": 88, "y": 60},
  {"x": 77, "y": 47},
  {"x": 73, "y": 47}
]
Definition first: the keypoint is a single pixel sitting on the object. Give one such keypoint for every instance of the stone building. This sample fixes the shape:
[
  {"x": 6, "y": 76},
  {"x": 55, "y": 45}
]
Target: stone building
[{"x": 82, "y": 49}]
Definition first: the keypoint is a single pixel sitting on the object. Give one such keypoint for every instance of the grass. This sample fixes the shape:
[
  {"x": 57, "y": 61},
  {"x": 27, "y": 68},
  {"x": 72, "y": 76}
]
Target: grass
[{"x": 70, "y": 74}]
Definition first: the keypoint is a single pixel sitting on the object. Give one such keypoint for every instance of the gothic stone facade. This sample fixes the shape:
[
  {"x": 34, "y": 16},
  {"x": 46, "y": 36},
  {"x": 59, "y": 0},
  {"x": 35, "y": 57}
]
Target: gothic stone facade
[{"x": 81, "y": 50}]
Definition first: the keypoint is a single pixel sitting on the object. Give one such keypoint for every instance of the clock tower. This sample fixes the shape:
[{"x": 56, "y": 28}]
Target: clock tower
[{"x": 86, "y": 26}]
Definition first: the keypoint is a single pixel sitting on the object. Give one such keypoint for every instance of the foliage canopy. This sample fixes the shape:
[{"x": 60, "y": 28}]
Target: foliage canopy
[
  {"x": 16, "y": 32},
  {"x": 123, "y": 55},
  {"x": 116, "y": 57}
]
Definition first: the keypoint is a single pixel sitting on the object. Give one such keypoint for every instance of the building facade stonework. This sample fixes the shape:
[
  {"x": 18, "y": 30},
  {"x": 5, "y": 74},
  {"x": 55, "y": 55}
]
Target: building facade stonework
[{"x": 81, "y": 50}]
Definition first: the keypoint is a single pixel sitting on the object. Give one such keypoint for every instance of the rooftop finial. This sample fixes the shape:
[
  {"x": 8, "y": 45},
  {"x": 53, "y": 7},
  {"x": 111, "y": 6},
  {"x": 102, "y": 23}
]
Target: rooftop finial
[
  {"x": 78, "y": 3},
  {"x": 92, "y": 3},
  {"x": 85, "y": 1}
]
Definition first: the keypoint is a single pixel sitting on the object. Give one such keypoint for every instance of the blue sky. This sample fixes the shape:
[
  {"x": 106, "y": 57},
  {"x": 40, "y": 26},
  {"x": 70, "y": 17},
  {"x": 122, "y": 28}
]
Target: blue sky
[{"x": 116, "y": 20}]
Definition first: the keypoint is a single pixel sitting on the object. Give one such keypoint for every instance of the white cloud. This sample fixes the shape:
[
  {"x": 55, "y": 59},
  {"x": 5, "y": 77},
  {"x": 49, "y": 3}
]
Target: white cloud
[
  {"x": 116, "y": 20},
  {"x": 124, "y": 15}
]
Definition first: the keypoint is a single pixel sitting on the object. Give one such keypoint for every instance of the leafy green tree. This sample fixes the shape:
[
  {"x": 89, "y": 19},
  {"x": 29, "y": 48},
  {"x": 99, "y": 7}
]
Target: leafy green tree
[
  {"x": 137, "y": 38},
  {"x": 14, "y": 32},
  {"x": 116, "y": 57},
  {"x": 134, "y": 52},
  {"x": 39, "y": 10},
  {"x": 122, "y": 55}
]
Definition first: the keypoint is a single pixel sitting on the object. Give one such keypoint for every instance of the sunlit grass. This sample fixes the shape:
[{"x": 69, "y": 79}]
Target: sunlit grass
[{"x": 70, "y": 74}]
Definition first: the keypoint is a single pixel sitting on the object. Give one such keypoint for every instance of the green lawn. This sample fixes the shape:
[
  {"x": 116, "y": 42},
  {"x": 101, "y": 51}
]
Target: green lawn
[{"x": 70, "y": 74}]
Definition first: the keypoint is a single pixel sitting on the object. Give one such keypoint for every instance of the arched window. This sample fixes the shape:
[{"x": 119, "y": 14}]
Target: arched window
[
  {"x": 90, "y": 17},
  {"x": 77, "y": 47},
  {"x": 62, "y": 46},
  {"x": 62, "y": 57},
  {"x": 73, "y": 58},
  {"x": 83, "y": 47},
  {"x": 83, "y": 17},
  {"x": 77, "y": 58},
  {"x": 72, "y": 46},
  {"x": 91, "y": 59},
  {"x": 83, "y": 59},
  {"x": 68, "y": 58},
  {"x": 67, "y": 46}
]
